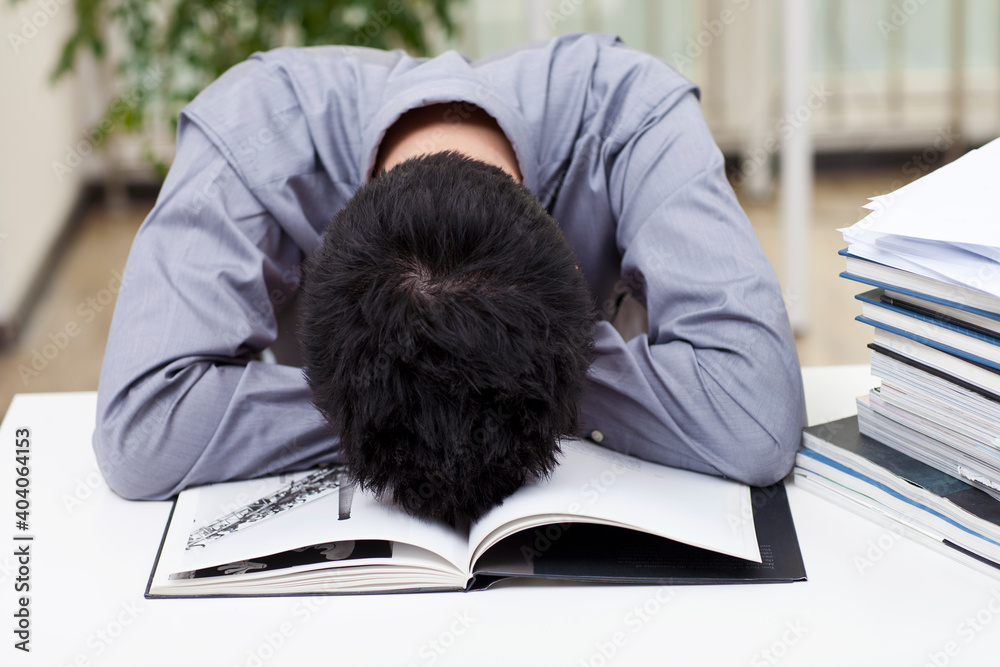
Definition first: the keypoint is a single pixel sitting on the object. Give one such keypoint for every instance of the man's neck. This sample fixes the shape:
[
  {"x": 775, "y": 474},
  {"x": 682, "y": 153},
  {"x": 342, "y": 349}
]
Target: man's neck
[{"x": 455, "y": 126}]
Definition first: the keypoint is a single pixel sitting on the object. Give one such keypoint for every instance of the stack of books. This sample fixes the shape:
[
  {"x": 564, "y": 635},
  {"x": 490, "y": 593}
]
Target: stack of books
[
  {"x": 902, "y": 494},
  {"x": 923, "y": 453}
]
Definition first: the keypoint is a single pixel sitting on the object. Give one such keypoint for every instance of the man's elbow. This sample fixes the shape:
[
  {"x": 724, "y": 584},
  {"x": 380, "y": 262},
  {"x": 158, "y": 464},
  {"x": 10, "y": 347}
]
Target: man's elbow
[
  {"x": 126, "y": 468},
  {"x": 766, "y": 432},
  {"x": 764, "y": 459}
]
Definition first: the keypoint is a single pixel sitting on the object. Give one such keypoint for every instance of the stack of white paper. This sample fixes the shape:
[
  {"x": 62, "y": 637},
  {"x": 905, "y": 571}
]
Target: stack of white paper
[{"x": 945, "y": 226}]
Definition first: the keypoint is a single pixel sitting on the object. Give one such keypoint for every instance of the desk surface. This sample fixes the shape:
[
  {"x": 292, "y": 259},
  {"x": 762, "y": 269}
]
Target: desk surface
[{"x": 872, "y": 598}]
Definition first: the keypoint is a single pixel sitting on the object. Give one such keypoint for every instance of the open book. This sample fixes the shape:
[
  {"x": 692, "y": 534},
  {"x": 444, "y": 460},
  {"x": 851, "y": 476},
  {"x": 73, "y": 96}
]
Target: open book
[{"x": 601, "y": 517}]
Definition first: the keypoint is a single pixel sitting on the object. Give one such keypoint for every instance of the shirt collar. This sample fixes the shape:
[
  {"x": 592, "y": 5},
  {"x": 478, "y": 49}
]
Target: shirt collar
[{"x": 450, "y": 78}]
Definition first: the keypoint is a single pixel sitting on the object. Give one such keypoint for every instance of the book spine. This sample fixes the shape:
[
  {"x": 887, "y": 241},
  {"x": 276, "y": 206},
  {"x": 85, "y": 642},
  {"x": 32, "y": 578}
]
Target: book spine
[
  {"x": 929, "y": 314},
  {"x": 929, "y": 325},
  {"x": 926, "y": 449},
  {"x": 880, "y": 354},
  {"x": 975, "y": 357}
]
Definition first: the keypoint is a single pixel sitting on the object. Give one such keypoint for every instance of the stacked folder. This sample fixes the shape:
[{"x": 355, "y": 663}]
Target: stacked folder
[{"x": 928, "y": 256}]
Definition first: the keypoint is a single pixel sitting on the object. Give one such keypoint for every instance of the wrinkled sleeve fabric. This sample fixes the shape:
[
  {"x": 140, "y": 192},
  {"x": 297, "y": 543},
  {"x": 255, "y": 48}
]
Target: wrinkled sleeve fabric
[
  {"x": 715, "y": 386},
  {"x": 182, "y": 400}
]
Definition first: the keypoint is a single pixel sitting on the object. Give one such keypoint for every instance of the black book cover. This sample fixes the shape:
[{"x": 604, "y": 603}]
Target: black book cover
[
  {"x": 589, "y": 553},
  {"x": 844, "y": 434},
  {"x": 606, "y": 554}
]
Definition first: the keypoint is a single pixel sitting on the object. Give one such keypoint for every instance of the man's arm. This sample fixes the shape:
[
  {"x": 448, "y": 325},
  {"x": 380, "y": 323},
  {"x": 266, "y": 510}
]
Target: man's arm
[
  {"x": 715, "y": 386},
  {"x": 181, "y": 400}
]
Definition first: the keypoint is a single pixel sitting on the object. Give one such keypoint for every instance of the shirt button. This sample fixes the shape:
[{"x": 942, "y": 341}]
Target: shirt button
[{"x": 597, "y": 436}]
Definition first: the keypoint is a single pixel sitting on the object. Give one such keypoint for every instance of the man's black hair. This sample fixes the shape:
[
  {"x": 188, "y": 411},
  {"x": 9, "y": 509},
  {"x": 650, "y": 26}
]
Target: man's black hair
[{"x": 446, "y": 333}]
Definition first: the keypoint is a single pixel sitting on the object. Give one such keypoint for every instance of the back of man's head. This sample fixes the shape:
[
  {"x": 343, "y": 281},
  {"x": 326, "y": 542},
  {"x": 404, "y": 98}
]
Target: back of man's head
[{"x": 446, "y": 332}]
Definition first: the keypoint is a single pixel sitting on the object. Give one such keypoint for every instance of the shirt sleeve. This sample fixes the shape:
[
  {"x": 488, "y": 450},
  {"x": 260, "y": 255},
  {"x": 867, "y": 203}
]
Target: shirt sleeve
[
  {"x": 715, "y": 386},
  {"x": 182, "y": 401}
]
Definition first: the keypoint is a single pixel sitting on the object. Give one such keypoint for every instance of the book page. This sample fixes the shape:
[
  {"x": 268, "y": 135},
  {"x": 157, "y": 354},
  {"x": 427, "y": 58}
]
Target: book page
[
  {"x": 594, "y": 484},
  {"x": 206, "y": 510}
]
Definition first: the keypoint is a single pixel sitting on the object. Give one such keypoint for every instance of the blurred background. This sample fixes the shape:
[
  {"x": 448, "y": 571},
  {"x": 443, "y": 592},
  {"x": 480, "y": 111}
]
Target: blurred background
[{"x": 817, "y": 105}]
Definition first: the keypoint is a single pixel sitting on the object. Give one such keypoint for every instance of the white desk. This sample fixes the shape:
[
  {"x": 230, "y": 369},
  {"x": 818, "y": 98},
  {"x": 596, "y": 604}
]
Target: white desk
[{"x": 871, "y": 598}]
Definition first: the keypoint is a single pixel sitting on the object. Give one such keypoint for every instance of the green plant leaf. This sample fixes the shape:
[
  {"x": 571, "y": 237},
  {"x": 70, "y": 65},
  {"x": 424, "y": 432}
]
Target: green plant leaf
[{"x": 192, "y": 42}]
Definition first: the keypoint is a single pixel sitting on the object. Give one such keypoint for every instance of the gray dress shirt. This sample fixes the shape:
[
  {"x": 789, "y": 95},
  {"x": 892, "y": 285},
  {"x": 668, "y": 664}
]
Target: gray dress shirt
[{"x": 612, "y": 142}]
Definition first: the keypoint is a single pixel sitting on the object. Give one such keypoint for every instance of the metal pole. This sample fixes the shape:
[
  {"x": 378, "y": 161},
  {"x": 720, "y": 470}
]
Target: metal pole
[
  {"x": 797, "y": 160},
  {"x": 956, "y": 89},
  {"x": 756, "y": 169},
  {"x": 894, "y": 72},
  {"x": 653, "y": 10},
  {"x": 534, "y": 12}
]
